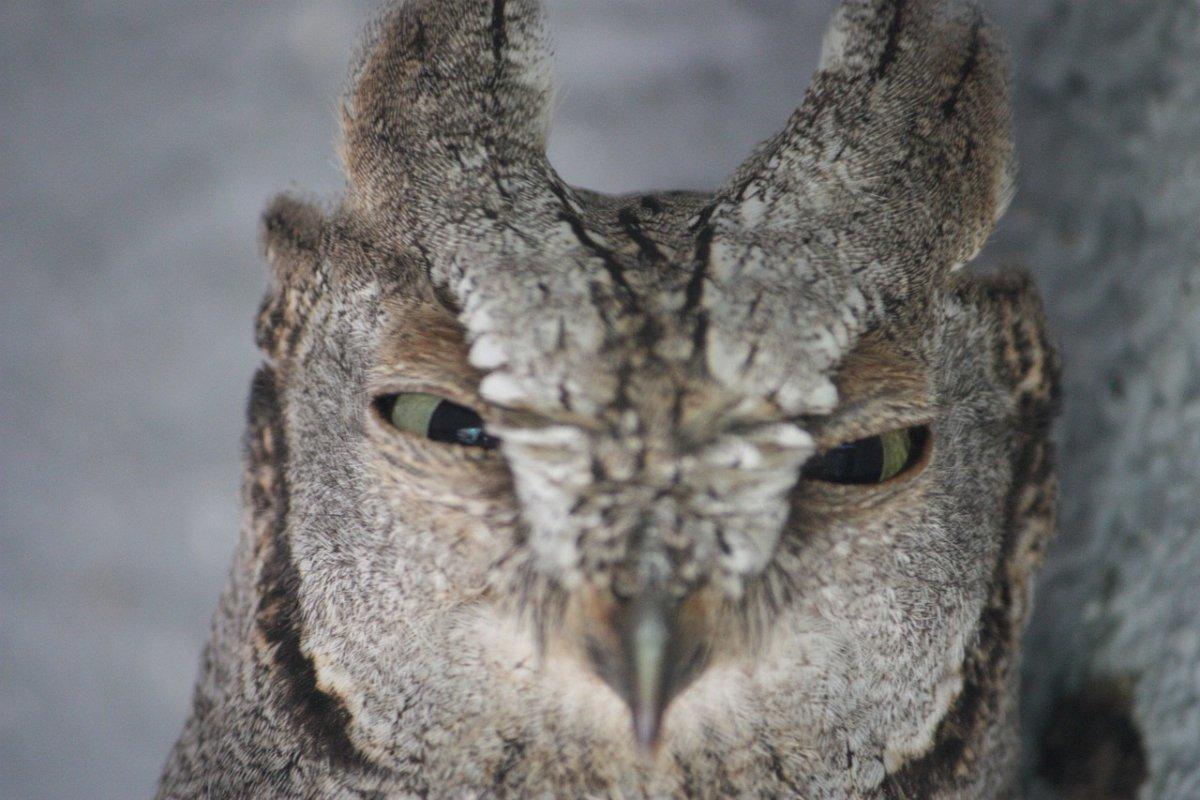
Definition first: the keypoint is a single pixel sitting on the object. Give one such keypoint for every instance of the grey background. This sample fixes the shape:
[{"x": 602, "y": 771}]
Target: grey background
[{"x": 139, "y": 141}]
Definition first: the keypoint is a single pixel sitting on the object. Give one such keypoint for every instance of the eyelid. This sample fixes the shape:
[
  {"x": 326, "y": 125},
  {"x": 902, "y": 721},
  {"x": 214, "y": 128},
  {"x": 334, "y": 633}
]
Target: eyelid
[
  {"x": 864, "y": 419},
  {"x": 455, "y": 394}
]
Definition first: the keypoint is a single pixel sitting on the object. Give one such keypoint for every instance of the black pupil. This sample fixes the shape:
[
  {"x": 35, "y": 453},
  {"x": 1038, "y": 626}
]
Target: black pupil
[
  {"x": 853, "y": 462},
  {"x": 860, "y": 462},
  {"x": 455, "y": 424}
]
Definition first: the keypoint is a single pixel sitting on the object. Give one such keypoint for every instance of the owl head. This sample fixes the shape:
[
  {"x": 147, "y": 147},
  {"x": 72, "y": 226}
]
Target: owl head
[{"x": 670, "y": 493}]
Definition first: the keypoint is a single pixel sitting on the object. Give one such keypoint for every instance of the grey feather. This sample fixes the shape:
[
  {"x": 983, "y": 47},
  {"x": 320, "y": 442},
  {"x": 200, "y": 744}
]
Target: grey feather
[{"x": 410, "y": 618}]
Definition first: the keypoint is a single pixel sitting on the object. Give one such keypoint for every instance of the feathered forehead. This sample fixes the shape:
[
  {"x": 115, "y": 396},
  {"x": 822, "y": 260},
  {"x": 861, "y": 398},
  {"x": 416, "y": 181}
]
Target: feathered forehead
[{"x": 890, "y": 175}]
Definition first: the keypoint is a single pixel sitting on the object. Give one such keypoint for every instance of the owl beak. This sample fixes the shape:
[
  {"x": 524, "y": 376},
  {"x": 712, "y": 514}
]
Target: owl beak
[
  {"x": 658, "y": 656},
  {"x": 646, "y": 630}
]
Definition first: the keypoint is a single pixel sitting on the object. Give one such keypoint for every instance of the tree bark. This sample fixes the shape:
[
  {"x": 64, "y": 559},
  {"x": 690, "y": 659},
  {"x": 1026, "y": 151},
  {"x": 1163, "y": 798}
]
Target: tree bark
[{"x": 1108, "y": 102}]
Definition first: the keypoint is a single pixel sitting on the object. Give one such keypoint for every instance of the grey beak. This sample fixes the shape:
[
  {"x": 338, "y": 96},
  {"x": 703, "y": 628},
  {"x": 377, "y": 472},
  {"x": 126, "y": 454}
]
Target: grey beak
[
  {"x": 647, "y": 632},
  {"x": 657, "y": 656}
]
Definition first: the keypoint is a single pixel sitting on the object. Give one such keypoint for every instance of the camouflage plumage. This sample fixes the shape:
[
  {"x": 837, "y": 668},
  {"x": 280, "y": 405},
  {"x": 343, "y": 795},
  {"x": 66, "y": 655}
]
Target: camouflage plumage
[{"x": 407, "y": 618}]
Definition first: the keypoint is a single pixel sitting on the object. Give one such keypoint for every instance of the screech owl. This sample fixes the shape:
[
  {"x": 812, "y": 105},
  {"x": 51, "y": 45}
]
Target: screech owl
[{"x": 551, "y": 493}]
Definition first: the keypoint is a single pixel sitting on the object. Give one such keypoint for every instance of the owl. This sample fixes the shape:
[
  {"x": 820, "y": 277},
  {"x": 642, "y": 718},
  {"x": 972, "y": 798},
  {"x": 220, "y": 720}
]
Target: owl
[{"x": 679, "y": 494}]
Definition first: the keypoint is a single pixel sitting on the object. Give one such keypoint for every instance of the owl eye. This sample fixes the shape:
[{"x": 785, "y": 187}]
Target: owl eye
[
  {"x": 435, "y": 418},
  {"x": 876, "y": 459}
]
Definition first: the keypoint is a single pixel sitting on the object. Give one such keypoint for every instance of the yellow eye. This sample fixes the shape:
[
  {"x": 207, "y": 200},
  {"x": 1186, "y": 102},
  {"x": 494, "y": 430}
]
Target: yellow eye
[
  {"x": 435, "y": 418},
  {"x": 876, "y": 459}
]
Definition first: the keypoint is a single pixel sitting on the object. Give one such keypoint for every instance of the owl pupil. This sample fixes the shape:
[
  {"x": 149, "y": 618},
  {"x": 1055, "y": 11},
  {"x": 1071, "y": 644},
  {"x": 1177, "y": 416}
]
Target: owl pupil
[
  {"x": 855, "y": 462},
  {"x": 456, "y": 424},
  {"x": 435, "y": 418},
  {"x": 872, "y": 460}
]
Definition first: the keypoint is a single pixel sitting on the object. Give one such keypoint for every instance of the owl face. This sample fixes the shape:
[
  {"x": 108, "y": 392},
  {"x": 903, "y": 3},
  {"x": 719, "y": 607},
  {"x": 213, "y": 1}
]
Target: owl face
[{"x": 665, "y": 494}]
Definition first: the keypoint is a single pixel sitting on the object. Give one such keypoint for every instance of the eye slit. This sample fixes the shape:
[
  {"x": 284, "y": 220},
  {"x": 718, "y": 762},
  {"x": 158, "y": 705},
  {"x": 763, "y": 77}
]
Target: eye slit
[
  {"x": 874, "y": 460},
  {"x": 435, "y": 418}
]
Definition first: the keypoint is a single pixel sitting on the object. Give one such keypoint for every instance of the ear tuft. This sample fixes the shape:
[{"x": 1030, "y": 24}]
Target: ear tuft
[
  {"x": 905, "y": 125},
  {"x": 446, "y": 92},
  {"x": 290, "y": 232},
  {"x": 1026, "y": 361}
]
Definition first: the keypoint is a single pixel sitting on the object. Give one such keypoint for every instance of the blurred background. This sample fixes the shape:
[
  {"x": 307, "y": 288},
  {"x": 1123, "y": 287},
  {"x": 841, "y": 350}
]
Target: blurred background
[{"x": 140, "y": 140}]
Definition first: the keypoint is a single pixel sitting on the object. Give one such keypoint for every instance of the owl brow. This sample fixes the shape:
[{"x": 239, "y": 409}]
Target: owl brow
[
  {"x": 882, "y": 370},
  {"x": 422, "y": 349},
  {"x": 880, "y": 387}
]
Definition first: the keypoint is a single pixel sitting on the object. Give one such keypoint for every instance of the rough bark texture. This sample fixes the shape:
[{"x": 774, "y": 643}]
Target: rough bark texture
[{"x": 1108, "y": 97}]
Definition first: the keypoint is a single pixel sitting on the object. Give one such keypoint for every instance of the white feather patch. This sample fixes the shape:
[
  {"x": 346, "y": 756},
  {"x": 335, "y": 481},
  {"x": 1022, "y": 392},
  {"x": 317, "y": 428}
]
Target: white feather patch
[
  {"x": 488, "y": 353},
  {"x": 501, "y": 388}
]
